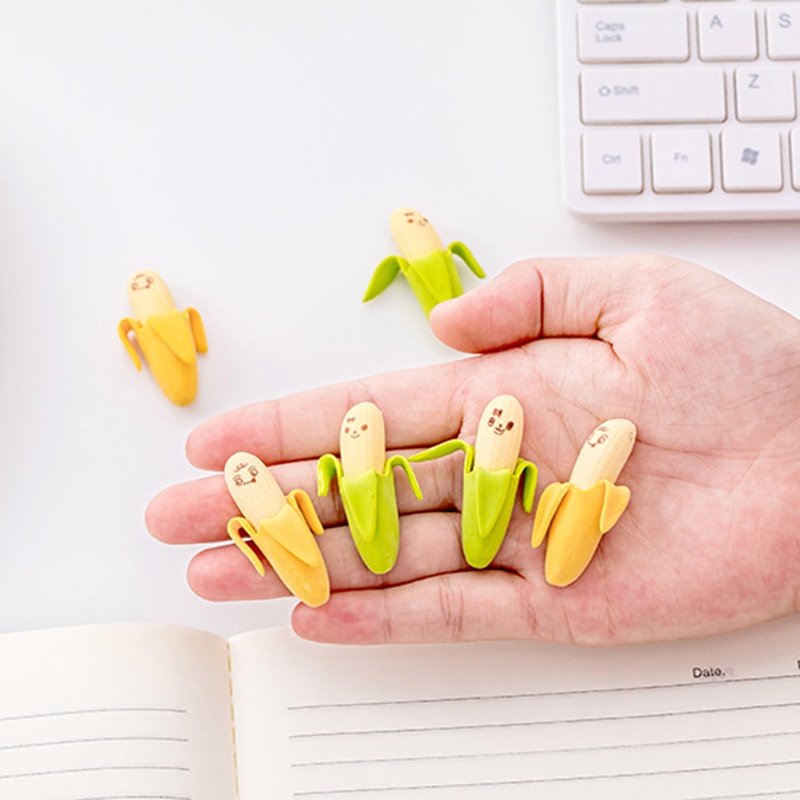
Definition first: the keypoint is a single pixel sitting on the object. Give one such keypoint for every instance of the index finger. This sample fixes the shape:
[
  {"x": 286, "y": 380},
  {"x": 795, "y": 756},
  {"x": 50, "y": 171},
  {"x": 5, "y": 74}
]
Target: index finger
[{"x": 420, "y": 407}]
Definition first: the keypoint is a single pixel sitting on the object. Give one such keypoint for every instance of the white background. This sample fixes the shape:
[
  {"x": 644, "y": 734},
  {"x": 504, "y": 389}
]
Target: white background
[{"x": 251, "y": 152}]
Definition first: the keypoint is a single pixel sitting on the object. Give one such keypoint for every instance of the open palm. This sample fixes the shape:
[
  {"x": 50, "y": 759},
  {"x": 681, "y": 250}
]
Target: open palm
[{"x": 709, "y": 374}]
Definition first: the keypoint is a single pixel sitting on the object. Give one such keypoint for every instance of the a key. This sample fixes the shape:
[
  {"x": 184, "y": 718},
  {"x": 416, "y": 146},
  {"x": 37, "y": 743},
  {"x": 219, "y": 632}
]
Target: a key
[
  {"x": 751, "y": 160},
  {"x": 727, "y": 34},
  {"x": 632, "y": 33},
  {"x": 783, "y": 32},
  {"x": 681, "y": 161},
  {"x": 612, "y": 163},
  {"x": 651, "y": 94},
  {"x": 765, "y": 94},
  {"x": 794, "y": 148}
]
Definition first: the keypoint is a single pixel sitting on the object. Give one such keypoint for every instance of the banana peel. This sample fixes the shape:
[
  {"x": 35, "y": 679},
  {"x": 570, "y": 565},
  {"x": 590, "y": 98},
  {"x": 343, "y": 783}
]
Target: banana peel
[
  {"x": 488, "y": 499},
  {"x": 370, "y": 504},
  {"x": 433, "y": 278},
  {"x": 574, "y": 520},
  {"x": 169, "y": 343}
]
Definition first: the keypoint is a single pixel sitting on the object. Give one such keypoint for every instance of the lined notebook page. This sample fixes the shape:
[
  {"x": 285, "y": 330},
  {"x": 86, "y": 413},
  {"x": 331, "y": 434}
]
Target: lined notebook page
[
  {"x": 116, "y": 712},
  {"x": 714, "y": 718}
]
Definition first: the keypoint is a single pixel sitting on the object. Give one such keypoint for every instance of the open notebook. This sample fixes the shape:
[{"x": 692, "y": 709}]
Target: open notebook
[{"x": 146, "y": 712}]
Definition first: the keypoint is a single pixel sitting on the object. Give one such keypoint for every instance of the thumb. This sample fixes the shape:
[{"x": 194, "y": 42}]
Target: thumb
[{"x": 548, "y": 298}]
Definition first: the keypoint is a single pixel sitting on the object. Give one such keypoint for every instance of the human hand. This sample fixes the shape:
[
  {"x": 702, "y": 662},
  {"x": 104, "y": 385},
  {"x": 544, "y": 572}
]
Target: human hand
[{"x": 709, "y": 374}]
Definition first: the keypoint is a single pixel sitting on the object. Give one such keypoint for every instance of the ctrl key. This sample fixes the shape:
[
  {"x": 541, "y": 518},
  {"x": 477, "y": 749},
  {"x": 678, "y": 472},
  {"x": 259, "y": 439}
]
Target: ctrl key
[{"x": 612, "y": 163}]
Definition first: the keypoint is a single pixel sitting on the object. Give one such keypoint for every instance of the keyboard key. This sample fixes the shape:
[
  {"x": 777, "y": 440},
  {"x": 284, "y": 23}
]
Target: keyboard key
[
  {"x": 681, "y": 161},
  {"x": 794, "y": 149},
  {"x": 632, "y": 33},
  {"x": 751, "y": 160},
  {"x": 765, "y": 94},
  {"x": 612, "y": 163},
  {"x": 727, "y": 34},
  {"x": 783, "y": 32},
  {"x": 653, "y": 94}
]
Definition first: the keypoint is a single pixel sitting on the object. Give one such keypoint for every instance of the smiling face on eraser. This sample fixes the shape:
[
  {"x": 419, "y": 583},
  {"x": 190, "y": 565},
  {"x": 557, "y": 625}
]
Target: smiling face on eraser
[
  {"x": 149, "y": 294},
  {"x": 502, "y": 416},
  {"x": 415, "y": 236},
  {"x": 499, "y": 436},
  {"x": 253, "y": 487},
  {"x": 362, "y": 439},
  {"x": 244, "y": 474}
]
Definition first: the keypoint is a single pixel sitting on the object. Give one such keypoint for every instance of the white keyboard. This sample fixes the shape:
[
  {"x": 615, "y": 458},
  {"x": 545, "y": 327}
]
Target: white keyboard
[{"x": 680, "y": 109}]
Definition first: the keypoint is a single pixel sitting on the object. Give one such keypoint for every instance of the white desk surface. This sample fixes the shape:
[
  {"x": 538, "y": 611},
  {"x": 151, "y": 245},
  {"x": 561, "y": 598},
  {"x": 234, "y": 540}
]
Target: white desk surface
[{"x": 251, "y": 152}]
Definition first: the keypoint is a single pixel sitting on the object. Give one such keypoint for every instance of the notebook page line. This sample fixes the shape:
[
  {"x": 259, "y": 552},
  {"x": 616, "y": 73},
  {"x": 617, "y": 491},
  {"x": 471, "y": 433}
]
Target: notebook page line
[{"x": 644, "y": 738}]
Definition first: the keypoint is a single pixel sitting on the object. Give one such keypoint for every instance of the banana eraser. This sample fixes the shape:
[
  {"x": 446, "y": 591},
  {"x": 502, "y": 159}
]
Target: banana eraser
[
  {"x": 575, "y": 515},
  {"x": 168, "y": 339}
]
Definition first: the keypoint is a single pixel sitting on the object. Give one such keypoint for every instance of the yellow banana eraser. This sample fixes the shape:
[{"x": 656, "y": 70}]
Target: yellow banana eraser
[
  {"x": 279, "y": 527},
  {"x": 168, "y": 339},
  {"x": 575, "y": 515}
]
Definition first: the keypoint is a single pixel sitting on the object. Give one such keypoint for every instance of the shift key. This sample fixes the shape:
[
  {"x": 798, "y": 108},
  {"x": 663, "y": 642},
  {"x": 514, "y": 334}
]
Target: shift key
[{"x": 652, "y": 95}]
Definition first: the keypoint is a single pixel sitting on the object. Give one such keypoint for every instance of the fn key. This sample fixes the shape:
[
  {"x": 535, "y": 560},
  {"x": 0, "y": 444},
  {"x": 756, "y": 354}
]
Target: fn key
[
  {"x": 612, "y": 163},
  {"x": 681, "y": 161}
]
